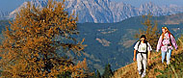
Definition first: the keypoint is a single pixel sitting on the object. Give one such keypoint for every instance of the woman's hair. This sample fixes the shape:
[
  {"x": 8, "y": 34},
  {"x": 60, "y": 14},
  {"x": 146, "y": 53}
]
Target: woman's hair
[{"x": 163, "y": 34}]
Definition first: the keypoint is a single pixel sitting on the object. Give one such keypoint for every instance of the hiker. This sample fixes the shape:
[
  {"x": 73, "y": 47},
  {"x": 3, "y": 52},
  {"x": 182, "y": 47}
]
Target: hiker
[
  {"x": 142, "y": 49},
  {"x": 165, "y": 43}
]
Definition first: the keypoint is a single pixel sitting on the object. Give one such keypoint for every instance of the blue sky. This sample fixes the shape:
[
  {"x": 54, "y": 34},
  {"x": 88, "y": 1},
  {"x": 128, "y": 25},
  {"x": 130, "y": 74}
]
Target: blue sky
[
  {"x": 9, "y": 5},
  {"x": 137, "y": 3}
]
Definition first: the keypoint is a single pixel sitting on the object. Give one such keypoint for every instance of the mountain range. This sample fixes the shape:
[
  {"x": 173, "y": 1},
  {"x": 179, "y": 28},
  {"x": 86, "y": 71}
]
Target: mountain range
[
  {"x": 105, "y": 11},
  {"x": 3, "y": 15}
]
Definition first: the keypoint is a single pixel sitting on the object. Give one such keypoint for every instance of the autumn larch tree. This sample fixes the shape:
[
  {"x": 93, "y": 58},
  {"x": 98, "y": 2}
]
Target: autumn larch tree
[
  {"x": 35, "y": 44},
  {"x": 150, "y": 30}
]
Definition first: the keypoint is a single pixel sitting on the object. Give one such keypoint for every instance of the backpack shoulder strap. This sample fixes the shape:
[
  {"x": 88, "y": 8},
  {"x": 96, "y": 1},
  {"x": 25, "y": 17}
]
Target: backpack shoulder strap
[
  {"x": 146, "y": 47},
  {"x": 139, "y": 42},
  {"x": 170, "y": 39},
  {"x": 162, "y": 40}
]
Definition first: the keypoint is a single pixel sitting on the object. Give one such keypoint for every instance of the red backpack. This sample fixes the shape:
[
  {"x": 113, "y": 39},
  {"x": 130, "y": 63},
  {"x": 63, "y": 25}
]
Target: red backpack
[{"x": 169, "y": 40}]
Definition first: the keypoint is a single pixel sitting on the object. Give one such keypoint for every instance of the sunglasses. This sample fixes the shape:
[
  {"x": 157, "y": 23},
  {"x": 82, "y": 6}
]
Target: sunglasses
[{"x": 164, "y": 28}]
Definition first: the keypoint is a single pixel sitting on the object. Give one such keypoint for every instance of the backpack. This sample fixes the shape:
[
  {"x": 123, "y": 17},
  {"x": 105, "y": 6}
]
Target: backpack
[
  {"x": 146, "y": 47},
  {"x": 169, "y": 40}
]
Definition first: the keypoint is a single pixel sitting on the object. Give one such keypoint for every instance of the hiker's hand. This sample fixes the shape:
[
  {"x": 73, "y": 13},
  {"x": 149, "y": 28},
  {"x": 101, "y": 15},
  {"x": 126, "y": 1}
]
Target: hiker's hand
[
  {"x": 134, "y": 59},
  {"x": 176, "y": 49},
  {"x": 149, "y": 61}
]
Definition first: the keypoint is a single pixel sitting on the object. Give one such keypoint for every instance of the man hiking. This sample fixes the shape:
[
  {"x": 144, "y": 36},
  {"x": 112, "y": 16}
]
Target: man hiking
[{"x": 142, "y": 49}]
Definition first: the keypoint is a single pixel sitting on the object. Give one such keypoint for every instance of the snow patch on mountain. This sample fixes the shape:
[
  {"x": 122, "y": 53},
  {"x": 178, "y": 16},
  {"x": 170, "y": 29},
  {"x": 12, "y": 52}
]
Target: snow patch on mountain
[{"x": 106, "y": 11}]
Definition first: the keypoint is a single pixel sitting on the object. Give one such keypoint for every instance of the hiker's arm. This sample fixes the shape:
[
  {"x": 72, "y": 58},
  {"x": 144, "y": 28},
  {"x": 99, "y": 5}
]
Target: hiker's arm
[
  {"x": 159, "y": 43},
  {"x": 174, "y": 42},
  {"x": 134, "y": 57},
  {"x": 135, "y": 51},
  {"x": 149, "y": 55}
]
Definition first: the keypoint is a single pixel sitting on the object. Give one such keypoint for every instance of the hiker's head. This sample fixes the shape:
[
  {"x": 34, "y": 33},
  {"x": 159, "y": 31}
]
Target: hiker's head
[
  {"x": 142, "y": 37},
  {"x": 165, "y": 29}
]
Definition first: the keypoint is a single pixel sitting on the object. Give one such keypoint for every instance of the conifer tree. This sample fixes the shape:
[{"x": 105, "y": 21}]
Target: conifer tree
[
  {"x": 107, "y": 72},
  {"x": 35, "y": 44},
  {"x": 98, "y": 75},
  {"x": 150, "y": 30}
]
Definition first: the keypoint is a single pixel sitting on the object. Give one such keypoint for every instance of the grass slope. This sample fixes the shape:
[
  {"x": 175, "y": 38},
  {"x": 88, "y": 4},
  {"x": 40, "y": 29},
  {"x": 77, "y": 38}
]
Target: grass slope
[{"x": 155, "y": 68}]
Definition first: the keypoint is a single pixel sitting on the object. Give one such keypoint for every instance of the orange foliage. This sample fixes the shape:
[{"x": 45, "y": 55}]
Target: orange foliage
[
  {"x": 31, "y": 46},
  {"x": 150, "y": 30}
]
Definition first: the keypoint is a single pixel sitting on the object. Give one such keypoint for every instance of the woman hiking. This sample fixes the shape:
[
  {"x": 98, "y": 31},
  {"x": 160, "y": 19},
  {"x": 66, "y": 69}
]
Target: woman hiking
[
  {"x": 165, "y": 43},
  {"x": 142, "y": 49}
]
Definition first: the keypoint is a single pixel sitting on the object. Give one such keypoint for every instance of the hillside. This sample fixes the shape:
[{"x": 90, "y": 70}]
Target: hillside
[
  {"x": 113, "y": 42},
  {"x": 155, "y": 67}
]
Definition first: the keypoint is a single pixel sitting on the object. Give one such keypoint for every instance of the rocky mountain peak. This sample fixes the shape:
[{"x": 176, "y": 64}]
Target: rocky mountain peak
[{"x": 106, "y": 11}]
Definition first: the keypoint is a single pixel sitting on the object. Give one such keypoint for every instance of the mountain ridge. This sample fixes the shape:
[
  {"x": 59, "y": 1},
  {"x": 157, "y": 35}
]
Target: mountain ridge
[
  {"x": 107, "y": 11},
  {"x": 3, "y": 15}
]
